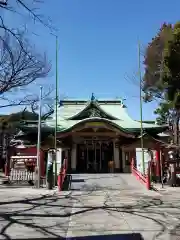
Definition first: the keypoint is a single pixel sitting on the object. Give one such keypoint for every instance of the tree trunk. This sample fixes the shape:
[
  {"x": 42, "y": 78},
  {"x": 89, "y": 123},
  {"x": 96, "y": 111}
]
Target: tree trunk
[
  {"x": 177, "y": 131},
  {"x": 176, "y": 142}
]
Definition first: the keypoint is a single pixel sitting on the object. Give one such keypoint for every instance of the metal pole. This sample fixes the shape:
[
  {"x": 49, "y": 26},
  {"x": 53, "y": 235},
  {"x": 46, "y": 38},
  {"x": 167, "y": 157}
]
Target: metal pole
[
  {"x": 141, "y": 108},
  {"x": 56, "y": 110},
  {"x": 39, "y": 141}
]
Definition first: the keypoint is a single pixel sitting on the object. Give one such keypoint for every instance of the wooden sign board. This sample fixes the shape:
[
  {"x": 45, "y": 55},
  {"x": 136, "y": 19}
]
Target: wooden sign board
[
  {"x": 21, "y": 162},
  {"x": 96, "y": 125}
]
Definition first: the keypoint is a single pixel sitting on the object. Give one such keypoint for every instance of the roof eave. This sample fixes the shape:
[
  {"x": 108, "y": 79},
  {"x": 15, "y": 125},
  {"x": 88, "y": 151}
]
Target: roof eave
[{"x": 96, "y": 119}]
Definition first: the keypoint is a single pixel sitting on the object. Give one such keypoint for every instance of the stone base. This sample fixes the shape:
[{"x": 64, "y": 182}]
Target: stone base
[
  {"x": 127, "y": 170},
  {"x": 115, "y": 170}
]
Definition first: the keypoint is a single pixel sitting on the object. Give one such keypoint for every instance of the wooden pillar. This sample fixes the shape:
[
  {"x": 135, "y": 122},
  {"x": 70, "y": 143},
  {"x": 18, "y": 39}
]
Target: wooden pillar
[
  {"x": 133, "y": 156},
  {"x": 158, "y": 164},
  {"x": 116, "y": 156},
  {"x": 73, "y": 158}
]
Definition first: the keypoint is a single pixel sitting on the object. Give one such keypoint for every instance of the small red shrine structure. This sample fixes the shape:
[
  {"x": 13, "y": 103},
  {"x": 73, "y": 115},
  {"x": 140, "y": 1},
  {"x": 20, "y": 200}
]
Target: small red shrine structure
[{"x": 26, "y": 158}]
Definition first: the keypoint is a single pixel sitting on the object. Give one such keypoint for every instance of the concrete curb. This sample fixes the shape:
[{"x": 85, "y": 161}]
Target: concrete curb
[
  {"x": 154, "y": 189},
  {"x": 159, "y": 190},
  {"x": 166, "y": 190}
]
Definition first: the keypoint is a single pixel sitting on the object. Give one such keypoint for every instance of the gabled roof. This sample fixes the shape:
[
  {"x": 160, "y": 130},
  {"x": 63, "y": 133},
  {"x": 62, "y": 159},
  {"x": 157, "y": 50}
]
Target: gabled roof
[
  {"x": 71, "y": 108},
  {"x": 115, "y": 111},
  {"x": 133, "y": 126},
  {"x": 94, "y": 105},
  {"x": 65, "y": 125}
]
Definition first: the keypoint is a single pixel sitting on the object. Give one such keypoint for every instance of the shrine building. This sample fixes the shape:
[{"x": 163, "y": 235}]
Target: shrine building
[{"x": 95, "y": 131}]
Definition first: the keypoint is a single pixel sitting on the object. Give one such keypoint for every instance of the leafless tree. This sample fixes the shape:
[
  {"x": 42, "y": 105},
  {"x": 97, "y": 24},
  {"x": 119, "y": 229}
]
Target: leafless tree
[
  {"x": 27, "y": 9},
  {"x": 20, "y": 67},
  {"x": 34, "y": 67},
  {"x": 136, "y": 78},
  {"x": 47, "y": 102},
  {"x": 30, "y": 7},
  {"x": 3, "y": 3}
]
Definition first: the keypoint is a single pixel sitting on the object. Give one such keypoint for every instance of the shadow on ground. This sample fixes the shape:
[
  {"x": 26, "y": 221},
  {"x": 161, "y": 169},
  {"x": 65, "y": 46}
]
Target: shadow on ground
[{"x": 48, "y": 216}]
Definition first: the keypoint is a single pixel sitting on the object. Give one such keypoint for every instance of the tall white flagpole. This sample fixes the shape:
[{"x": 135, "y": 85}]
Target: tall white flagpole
[
  {"x": 141, "y": 107},
  {"x": 39, "y": 140},
  {"x": 56, "y": 115}
]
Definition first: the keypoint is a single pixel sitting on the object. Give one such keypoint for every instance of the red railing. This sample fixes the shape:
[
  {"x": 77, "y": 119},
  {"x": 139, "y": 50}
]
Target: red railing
[
  {"x": 62, "y": 175},
  {"x": 144, "y": 179}
]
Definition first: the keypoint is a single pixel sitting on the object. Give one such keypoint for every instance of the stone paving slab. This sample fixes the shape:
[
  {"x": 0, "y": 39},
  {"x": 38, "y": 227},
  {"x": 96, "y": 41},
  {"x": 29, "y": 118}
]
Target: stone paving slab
[
  {"x": 118, "y": 221},
  {"x": 126, "y": 208},
  {"x": 32, "y": 213},
  {"x": 97, "y": 222}
]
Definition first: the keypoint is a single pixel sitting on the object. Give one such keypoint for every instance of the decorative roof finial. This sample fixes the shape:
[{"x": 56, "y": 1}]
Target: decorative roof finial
[
  {"x": 92, "y": 97},
  {"x": 60, "y": 103},
  {"x": 122, "y": 100}
]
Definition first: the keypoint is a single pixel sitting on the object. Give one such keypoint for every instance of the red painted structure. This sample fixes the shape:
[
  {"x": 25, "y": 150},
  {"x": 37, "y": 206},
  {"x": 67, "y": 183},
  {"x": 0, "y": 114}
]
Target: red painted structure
[
  {"x": 31, "y": 160},
  {"x": 62, "y": 174},
  {"x": 158, "y": 162},
  {"x": 144, "y": 179}
]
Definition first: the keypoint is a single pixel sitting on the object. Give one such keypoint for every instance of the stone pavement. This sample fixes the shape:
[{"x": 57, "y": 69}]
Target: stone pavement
[
  {"x": 166, "y": 189},
  {"x": 104, "y": 205}
]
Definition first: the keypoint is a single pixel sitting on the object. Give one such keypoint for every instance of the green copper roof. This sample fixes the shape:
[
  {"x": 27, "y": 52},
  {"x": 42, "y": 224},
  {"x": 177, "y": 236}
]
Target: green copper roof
[
  {"x": 71, "y": 108},
  {"x": 71, "y": 113},
  {"x": 67, "y": 124}
]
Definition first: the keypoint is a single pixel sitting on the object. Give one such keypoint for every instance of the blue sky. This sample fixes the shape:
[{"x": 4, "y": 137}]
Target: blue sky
[{"x": 98, "y": 45}]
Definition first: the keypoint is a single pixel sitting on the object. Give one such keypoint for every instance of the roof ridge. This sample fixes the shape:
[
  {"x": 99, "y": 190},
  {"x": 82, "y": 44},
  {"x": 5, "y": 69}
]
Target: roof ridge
[{"x": 98, "y": 100}]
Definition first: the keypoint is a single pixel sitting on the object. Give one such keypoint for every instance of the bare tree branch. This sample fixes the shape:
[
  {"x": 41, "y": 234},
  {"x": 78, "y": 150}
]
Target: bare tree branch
[
  {"x": 3, "y": 2},
  {"x": 23, "y": 8},
  {"x": 134, "y": 79},
  {"x": 19, "y": 68},
  {"x": 47, "y": 103},
  {"x": 31, "y": 8}
]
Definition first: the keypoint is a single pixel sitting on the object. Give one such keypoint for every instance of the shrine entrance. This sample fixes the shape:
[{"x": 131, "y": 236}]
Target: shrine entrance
[{"x": 93, "y": 156}]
